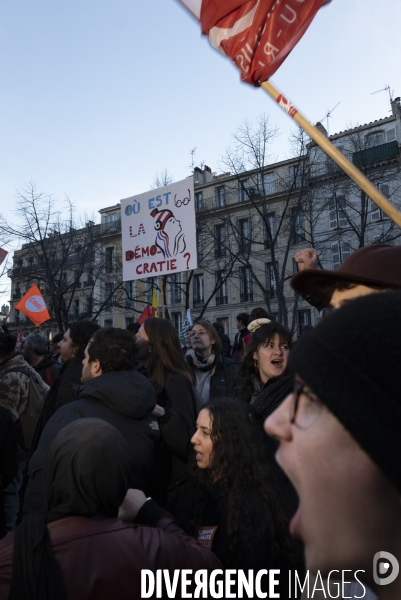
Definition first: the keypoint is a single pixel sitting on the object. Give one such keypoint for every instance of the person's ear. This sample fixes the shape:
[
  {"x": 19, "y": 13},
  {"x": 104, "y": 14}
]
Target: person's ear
[{"x": 97, "y": 369}]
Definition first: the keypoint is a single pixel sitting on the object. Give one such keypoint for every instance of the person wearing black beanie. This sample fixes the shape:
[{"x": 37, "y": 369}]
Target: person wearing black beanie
[{"x": 340, "y": 442}]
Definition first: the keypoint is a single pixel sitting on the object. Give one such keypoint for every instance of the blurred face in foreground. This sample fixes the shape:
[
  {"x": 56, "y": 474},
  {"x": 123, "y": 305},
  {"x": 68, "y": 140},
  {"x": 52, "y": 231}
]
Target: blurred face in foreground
[
  {"x": 341, "y": 297},
  {"x": 348, "y": 509}
]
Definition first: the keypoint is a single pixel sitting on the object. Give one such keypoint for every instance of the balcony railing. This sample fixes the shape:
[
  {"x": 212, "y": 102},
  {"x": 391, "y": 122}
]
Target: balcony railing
[
  {"x": 198, "y": 302},
  {"x": 246, "y": 297},
  {"x": 221, "y": 300},
  {"x": 375, "y": 154}
]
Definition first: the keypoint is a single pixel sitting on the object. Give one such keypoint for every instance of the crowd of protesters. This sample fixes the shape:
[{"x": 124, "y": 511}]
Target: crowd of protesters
[{"x": 263, "y": 455}]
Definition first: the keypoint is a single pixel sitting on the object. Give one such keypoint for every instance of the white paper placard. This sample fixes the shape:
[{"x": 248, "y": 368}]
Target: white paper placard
[{"x": 159, "y": 231}]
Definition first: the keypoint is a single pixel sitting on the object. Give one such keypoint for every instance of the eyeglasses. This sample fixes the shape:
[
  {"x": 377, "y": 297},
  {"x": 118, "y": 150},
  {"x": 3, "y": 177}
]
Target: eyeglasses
[{"x": 307, "y": 406}]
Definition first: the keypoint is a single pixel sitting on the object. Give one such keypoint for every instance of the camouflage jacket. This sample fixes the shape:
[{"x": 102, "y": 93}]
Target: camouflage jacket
[{"x": 14, "y": 387}]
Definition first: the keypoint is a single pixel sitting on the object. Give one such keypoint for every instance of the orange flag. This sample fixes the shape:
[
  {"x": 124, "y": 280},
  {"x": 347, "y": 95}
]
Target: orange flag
[{"x": 34, "y": 306}]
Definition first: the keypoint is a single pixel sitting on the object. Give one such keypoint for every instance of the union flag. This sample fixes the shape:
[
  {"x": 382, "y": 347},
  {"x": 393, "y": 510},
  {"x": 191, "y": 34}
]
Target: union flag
[
  {"x": 257, "y": 35},
  {"x": 32, "y": 304}
]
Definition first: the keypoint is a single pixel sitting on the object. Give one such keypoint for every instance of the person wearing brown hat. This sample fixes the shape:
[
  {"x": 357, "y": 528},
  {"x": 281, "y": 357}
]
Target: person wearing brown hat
[
  {"x": 340, "y": 444},
  {"x": 369, "y": 269}
]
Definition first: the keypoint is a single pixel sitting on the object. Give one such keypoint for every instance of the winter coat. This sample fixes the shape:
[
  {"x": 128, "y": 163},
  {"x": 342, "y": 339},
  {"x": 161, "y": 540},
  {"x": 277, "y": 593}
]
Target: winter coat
[
  {"x": 48, "y": 369},
  {"x": 103, "y": 558},
  {"x": 125, "y": 399},
  {"x": 224, "y": 379},
  {"x": 60, "y": 393},
  {"x": 241, "y": 341},
  {"x": 8, "y": 459},
  {"x": 14, "y": 387}
]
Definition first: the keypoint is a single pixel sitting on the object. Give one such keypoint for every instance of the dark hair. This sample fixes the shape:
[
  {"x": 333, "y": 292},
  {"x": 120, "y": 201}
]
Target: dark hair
[
  {"x": 81, "y": 332},
  {"x": 133, "y": 328},
  {"x": 211, "y": 331},
  {"x": 261, "y": 336},
  {"x": 7, "y": 344},
  {"x": 38, "y": 344},
  {"x": 341, "y": 285},
  {"x": 259, "y": 313},
  {"x": 243, "y": 317},
  {"x": 239, "y": 464},
  {"x": 166, "y": 357},
  {"x": 115, "y": 349},
  {"x": 57, "y": 338}
]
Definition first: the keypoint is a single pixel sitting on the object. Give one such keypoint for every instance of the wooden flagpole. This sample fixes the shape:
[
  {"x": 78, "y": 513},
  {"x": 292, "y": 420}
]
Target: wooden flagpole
[{"x": 348, "y": 168}]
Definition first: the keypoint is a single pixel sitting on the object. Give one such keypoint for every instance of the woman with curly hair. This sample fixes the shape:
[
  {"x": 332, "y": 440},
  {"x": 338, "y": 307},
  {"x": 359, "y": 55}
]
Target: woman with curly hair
[
  {"x": 264, "y": 378},
  {"x": 233, "y": 503}
]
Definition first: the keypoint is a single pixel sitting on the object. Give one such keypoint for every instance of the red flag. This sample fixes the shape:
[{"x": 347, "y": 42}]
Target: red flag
[
  {"x": 19, "y": 339},
  {"x": 3, "y": 254},
  {"x": 257, "y": 35},
  {"x": 33, "y": 306},
  {"x": 147, "y": 313}
]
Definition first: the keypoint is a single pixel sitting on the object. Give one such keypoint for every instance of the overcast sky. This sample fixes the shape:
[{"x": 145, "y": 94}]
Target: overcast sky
[{"x": 99, "y": 95}]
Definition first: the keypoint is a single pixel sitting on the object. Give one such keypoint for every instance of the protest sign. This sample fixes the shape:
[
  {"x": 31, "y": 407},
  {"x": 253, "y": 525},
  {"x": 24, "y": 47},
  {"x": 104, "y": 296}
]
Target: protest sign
[{"x": 159, "y": 231}]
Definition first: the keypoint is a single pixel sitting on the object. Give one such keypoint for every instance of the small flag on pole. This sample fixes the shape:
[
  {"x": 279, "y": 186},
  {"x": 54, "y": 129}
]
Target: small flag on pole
[
  {"x": 33, "y": 306},
  {"x": 154, "y": 303},
  {"x": 3, "y": 254},
  {"x": 257, "y": 35}
]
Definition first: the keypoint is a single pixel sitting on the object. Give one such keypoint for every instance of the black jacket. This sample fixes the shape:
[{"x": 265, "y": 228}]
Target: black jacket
[
  {"x": 125, "y": 399},
  {"x": 48, "y": 369},
  {"x": 59, "y": 394},
  {"x": 8, "y": 459},
  {"x": 224, "y": 378}
]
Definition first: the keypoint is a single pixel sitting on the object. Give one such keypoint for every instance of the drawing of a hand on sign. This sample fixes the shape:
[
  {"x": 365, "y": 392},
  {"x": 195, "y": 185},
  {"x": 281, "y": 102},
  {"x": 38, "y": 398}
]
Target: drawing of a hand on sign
[{"x": 169, "y": 235}]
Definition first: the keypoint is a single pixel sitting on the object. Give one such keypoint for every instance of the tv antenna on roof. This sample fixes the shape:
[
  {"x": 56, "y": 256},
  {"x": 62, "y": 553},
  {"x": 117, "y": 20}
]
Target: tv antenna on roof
[
  {"x": 192, "y": 160},
  {"x": 385, "y": 89},
  {"x": 328, "y": 115}
]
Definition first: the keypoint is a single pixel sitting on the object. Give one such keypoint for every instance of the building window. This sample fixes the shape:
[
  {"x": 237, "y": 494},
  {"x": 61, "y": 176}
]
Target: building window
[
  {"x": 177, "y": 320},
  {"x": 339, "y": 252},
  {"x": 88, "y": 304},
  {"x": 221, "y": 285},
  {"x": 375, "y": 139},
  {"x": 129, "y": 321},
  {"x": 130, "y": 290},
  {"x": 243, "y": 189},
  {"x": 244, "y": 230},
  {"x": 220, "y": 240},
  {"x": 297, "y": 225},
  {"x": 108, "y": 323},
  {"x": 296, "y": 175},
  {"x": 199, "y": 202},
  {"x": 269, "y": 183},
  {"x": 109, "y": 256},
  {"x": 111, "y": 218},
  {"x": 198, "y": 290},
  {"x": 109, "y": 295},
  {"x": 76, "y": 308},
  {"x": 200, "y": 241},
  {"x": 337, "y": 212},
  {"x": 303, "y": 318},
  {"x": 245, "y": 279},
  {"x": 271, "y": 281},
  {"x": 269, "y": 230},
  {"x": 220, "y": 196},
  {"x": 176, "y": 288},
  {"x": 376, "y": 213}
]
